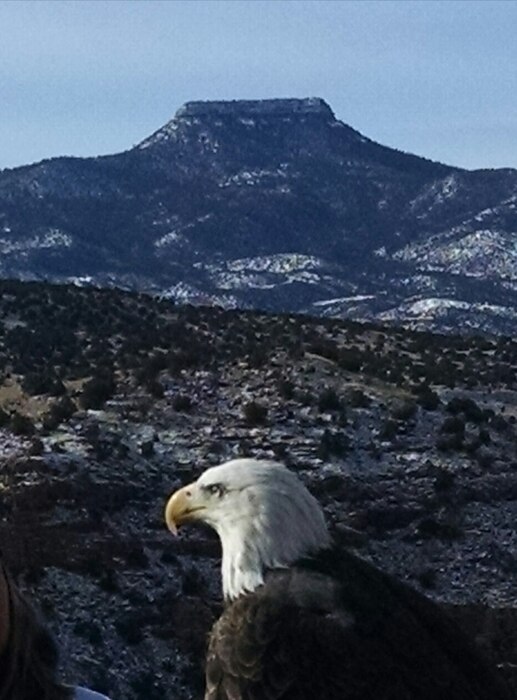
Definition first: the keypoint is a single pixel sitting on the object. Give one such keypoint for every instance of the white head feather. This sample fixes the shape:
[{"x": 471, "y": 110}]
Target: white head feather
[{"x": 265, "y": 518}]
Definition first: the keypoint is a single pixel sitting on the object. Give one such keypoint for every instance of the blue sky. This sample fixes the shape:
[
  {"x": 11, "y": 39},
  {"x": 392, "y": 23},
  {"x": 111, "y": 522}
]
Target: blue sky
[{"x": 436, "y": 78}]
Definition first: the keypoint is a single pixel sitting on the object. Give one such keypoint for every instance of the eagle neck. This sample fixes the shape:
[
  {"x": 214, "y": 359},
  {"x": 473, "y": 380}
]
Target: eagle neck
[
  {"x": 243, "y": 567},
  {"x": 248, "y": 554}
]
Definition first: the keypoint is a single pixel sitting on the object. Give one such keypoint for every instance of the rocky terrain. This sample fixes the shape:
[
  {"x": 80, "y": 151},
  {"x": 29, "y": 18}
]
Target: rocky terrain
[
  {"x": 110, "y": 400},
  {"x": 273, "y": 205}
]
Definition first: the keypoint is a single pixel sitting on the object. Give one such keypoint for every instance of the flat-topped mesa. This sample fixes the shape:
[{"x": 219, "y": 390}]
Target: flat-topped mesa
[
  {"x": 277, "y": 116},
  {"x": 245, "y": 108}
]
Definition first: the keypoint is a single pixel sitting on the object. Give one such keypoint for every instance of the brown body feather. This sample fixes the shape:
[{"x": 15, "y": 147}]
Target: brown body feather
[{"x": 334, "y": 627}]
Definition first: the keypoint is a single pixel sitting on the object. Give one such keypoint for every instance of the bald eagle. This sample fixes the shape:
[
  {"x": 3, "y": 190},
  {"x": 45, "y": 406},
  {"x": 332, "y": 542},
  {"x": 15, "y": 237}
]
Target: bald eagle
[{"x": 307, "y": 620}]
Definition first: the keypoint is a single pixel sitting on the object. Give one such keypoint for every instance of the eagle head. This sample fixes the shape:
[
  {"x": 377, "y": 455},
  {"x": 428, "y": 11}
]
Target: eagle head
[{"x": 263, "y": 514}]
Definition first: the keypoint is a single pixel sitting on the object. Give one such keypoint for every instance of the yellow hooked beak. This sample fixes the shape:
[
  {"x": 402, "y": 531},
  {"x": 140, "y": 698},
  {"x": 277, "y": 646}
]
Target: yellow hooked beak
[{"x": 182, "y": 507}]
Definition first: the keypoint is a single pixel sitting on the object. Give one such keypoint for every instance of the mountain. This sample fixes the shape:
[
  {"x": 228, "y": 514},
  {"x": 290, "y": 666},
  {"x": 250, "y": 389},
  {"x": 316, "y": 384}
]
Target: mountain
[{"x": 274, "y": 205}]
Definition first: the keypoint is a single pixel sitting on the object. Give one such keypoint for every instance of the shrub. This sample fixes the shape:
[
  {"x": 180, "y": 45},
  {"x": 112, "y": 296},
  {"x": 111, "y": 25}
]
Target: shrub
[
  {"x": 499, "y": 423},
  {"x": 427, "y": 578},
  {"x": 286, "y": 389},
  {"x": 351, "y": 360},
  {"x": 182, "y": 402},
  {"x": 90, "y": 631},
  {"x": 443, "y": 481},
  {"x": 453, "y": 425},
  {"x": 183, "y": 359},
  {"x": 193, "y": 582},
  {"x": 137, "y": 558},
  {"x": 428, "y": 400},
  {"x": 151, "y": 367},
  {"x": 484, "y": 436},
  {"x": 108, "y": 581},
  {"x": 443, "y": 530},
  {"x": 485, "y": 458},
  {"x": 21, "y": 425},
  {"x": 388, "y": 430},
  {"x": 404, "y": 410},
  {"x": 46, "y": 382},
  {"x": 254, "y": 413},
  {"x": 147, "y": 448},
  {"x": 155, "y": 388},
  {"x": 328, "y": 400},
  {"x": 4, "y": 418},
  {"x": 305, "y": 398},
  {"x": 244, "y": 449},
  {"x": 129, "y": 629},
  {"x": 333, "y": 444},
  {"x": 36, "y": 447},
  {"x": 61, "y": 410},
  {"x": 145, "y": 685},
  {"x": 358, "y": 399},
  {"x": 98, "y": 390},
  {"x": 468, "y": 407},
  {"x": 257, "y": 358},
  {"x": 325, "y": 348}
]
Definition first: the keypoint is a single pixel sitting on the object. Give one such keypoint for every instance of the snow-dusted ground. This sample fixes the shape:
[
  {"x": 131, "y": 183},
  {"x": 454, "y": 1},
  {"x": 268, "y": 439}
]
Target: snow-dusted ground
[
  {"x": 177, "y": 235},
  {"x": 52, "y": 238},
  {"x": 431, "y": 308},
  {"x": 266, "y": 272},
  {"x": 339, "y": 300},
  {"x": 482, "y": 253},
  {"x": 252, "y": 177},
  {"x": 188, "y": 294}
]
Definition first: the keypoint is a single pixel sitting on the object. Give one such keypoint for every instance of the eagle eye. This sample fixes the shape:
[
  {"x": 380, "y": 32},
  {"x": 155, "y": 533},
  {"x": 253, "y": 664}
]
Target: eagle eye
[{"x": 215, "y": 489}]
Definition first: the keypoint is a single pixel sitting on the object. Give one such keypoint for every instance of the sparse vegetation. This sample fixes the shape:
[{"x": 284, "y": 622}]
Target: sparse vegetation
[{"x": 404, "y": 455}]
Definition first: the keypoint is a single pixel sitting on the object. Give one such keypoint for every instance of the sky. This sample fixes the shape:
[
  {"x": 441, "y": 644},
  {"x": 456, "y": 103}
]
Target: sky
[{"x": 88, "y": 77}]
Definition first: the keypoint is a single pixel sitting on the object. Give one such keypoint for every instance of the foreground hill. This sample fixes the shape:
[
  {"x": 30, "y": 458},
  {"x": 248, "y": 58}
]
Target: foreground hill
[
  {"x": 109, "y": 400},
  {"x": 273, "y": 205}
]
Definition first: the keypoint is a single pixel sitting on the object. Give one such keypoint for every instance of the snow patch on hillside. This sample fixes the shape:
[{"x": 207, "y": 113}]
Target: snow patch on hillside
[
  {"x": 252, "y": 177},
  {"x": 283, "y": 263},
  {"x": 177, "y": 235},
  {"x": 168, "y": 239},
  {"x": 184, "y": 293},
  {"x": 427, "y": 309},
  {"x": 340, "y": 300},
  {"x": 166, "y": 133},
  {"x": 435, "y": 196},
  {"x": 481, "y": 253},
  {"x": 53, "y": 238},
  {"x": 265, "y": 272}
]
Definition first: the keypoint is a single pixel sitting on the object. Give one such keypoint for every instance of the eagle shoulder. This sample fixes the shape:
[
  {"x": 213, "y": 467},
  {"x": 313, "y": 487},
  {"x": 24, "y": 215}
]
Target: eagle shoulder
[{"x": 265, "y": 643}]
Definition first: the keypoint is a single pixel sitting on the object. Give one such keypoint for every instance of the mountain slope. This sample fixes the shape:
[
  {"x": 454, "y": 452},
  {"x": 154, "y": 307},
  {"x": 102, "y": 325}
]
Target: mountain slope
[
  {"x": 110, "y": 400},
  {"x": 271, "y": 204}
]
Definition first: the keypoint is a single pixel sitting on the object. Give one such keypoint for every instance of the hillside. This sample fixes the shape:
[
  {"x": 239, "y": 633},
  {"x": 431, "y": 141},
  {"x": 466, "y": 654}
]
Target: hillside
[
  {"x": 109, "y": 400},
  {"x": 273, "y": 205}
]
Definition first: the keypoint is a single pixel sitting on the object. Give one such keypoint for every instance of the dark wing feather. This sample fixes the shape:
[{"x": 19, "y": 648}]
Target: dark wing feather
[
  {"x": 284, "y": 641},
  {"x": 341, "y": 631}
]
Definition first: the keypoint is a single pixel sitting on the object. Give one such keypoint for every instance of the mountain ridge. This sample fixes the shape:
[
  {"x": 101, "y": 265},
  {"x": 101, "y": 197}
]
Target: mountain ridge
[{"x": 211, "y": 206}]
